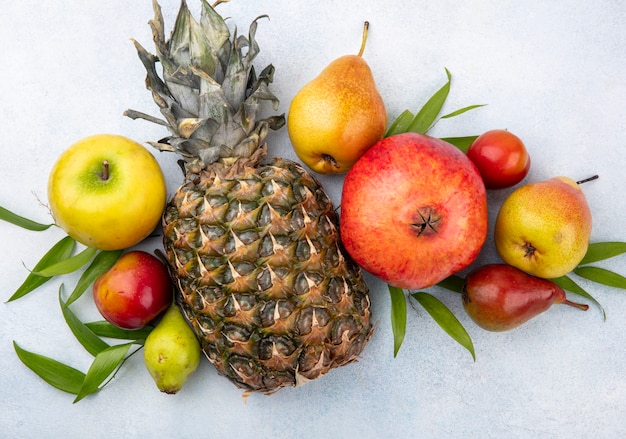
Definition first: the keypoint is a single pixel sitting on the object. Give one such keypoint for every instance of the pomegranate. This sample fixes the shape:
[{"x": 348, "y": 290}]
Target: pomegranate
[{"x": 413, "y": 211}]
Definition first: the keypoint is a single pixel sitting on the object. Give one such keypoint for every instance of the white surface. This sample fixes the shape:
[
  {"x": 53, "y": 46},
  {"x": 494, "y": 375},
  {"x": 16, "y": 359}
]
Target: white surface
[{"x": 552, "y": 72}]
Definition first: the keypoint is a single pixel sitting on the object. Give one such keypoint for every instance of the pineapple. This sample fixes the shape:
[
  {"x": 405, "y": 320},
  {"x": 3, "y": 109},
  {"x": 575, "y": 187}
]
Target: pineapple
[{"x": 253, "y": 244}]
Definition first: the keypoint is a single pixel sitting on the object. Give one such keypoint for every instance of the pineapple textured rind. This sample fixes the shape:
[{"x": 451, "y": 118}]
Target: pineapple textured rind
[
  {"x": 253, "y": 247},
  {"x": 263, "y": 279}
]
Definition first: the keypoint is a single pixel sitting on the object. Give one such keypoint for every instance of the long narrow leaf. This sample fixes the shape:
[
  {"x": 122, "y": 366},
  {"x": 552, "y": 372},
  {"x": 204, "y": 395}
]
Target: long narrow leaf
[
  {"x": 427, "y": 115},
  {"x": 453, "y": 283},
  {"x": 90, "y": 341},
  {"x": 53, "y": 372},
  {"x": 60, "y": 251},
  {"x": 103, "y": 261},
  {"x": 103, "y": 328},
  {"x": 599, "y": 251},
  {"x": 69, "y": 265},
  {"x": 568, "y": 284},
  {"x": 462, "y": 110},
  {"x": 398, "y": 317},
  {"x": 446, "y": 320},
  {"x": 20, "y": 221},
  {"x": 463, "y": 143},
  {"x": 602, "y": 276},
  {"x": 105, "y": 363},
  {"x": 400, "y": 124}
]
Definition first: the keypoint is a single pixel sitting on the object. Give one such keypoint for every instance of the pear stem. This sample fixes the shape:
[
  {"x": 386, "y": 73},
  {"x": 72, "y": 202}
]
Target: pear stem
[
  {"x": 366, "y": 26},
  {"x": 593, "y": 177},
  {"x": 577, "y": 305}
]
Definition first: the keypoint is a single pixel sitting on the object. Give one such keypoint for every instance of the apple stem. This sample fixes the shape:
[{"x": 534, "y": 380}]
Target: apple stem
[
  {"x": 593, "y": 177},
  {"x": 577, "y": 305},
  {"x": 366, "y": 26},
  {"x": 105, "y": 171}
]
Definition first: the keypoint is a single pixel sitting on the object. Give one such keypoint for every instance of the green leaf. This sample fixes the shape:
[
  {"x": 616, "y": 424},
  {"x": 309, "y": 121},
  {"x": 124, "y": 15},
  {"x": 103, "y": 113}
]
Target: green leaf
[
  {"x": 103, "y": 328},
  {"x": 446, "y": 319},
  {"x": 398, "y": 317},
  {"x": 427, "y": 115},
  {"x": 568, "y": 284},
  {"x": 105, "y": 363},
  {"x": 56, "y": 374},
  {"x": 90, "y": 341},
  {"x": 453, "y": 283},
  {"x": 463, "y": 143},
  {"x": 599, "y": 251},
  {"x": 60, "y": 251},
  {"x": 602, "y": 276},
  {"x": 25, "y": 223},
  {"x": 461, "y": 111},
  {"x": 68, "y": 265},
  {"x": 400, "y": 124},
  {"x": 103, "y": 261}
]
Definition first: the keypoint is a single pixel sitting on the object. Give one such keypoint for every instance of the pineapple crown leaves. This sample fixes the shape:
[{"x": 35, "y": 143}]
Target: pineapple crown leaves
[{"x": 208, "y": 93}]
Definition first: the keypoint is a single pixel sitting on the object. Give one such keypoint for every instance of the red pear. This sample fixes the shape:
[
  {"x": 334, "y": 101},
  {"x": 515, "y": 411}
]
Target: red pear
[{"x": 499, "y": 297}]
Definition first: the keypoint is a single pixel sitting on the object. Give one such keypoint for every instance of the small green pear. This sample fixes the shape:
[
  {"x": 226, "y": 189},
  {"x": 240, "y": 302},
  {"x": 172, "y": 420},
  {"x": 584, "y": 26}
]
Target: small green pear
[
  {"x": 337, "y": 116},
  {"x": 543, "y": 228},
  {"x": 171, "y": 352}
]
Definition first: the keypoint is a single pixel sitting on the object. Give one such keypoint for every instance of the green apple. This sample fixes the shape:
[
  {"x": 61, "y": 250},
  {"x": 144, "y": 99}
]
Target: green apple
[{"x": 107, "y": 191}]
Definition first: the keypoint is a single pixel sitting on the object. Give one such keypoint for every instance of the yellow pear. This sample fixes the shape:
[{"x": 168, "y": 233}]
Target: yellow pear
[
  {"x": 337, "y": 116},
  {"x": 171, "y": 352},
  {"x": 543, "y": 228}
]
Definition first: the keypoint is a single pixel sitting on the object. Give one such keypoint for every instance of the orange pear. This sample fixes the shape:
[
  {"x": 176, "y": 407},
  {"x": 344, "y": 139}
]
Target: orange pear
[
  {"x": 337, "y": 116},
  {"x": 543, "y": 228}
]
